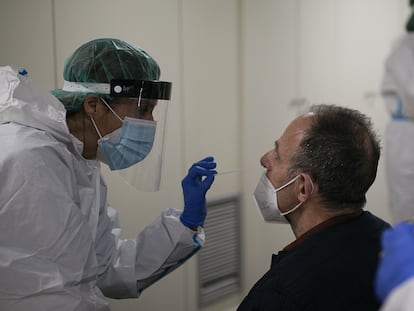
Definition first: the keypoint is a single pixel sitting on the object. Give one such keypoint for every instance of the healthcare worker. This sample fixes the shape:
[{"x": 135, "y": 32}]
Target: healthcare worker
[
  {"x": 60, "y": 245},
  {"x": 398, "y": 92}
]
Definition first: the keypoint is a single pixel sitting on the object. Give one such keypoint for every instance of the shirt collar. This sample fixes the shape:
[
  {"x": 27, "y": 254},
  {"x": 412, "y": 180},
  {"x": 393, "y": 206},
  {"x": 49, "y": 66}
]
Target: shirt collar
[{"x": 323, "y": 226}]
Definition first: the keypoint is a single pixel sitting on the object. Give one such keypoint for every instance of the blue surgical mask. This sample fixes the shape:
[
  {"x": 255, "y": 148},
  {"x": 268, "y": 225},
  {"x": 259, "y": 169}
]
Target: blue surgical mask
[{"x": 127, "y": 145}]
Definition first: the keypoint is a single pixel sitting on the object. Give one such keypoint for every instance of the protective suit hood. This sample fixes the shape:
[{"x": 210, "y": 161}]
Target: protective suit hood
[{"x": 23, "y": 102}]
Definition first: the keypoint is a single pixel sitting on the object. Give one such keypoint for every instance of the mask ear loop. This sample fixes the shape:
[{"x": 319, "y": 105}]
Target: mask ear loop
[
  {"x": 287, "y": 184},
  {"x": 313, "y": 187},
  {"x": 299, "y": 204},
  {"x": 113, "y": 111},
  {"x": 96, "y": 128}
]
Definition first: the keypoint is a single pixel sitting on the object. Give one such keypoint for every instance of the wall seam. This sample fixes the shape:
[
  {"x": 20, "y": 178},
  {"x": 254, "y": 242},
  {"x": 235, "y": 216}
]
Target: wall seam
[
  {"x": 182, "y": 117},
  {"x": 54, "y": 44}
]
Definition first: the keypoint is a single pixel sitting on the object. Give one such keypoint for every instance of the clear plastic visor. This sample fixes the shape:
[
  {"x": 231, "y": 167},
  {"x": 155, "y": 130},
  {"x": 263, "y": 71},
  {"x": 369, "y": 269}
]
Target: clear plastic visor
[{"x": 146, "y": 174}]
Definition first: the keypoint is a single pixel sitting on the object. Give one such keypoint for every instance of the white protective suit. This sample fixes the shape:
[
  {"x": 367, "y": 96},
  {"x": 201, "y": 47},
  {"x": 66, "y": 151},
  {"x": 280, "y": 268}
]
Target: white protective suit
[
  {"x": 398, "y": 92},
  {"x": 60, "y": 246},
  {"x": 401, "y": 298}
]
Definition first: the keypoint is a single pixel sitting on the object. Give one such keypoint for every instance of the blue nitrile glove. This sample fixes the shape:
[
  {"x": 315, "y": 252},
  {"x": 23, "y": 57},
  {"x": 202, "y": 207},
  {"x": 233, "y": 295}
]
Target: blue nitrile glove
[
  {"x": 195, "y": 188},
  {"x": 397, "y": 261}
]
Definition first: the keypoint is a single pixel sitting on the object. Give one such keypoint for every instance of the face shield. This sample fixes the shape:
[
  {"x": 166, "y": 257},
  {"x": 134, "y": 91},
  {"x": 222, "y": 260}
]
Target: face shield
[{"x": 146, "y": 174}]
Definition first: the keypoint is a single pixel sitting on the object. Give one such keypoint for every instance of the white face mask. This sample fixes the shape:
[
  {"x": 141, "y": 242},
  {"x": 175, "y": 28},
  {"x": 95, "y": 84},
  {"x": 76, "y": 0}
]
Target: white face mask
[{"x": 265, "y": 197}]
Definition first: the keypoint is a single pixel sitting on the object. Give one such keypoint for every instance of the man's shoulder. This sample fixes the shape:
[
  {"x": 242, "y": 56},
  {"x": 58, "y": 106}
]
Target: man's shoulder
[{"x": 373, "y": 221}]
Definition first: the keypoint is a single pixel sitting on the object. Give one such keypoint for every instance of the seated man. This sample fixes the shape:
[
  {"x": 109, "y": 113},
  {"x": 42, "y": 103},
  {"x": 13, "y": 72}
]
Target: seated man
[{"x": 316, "y": 179}]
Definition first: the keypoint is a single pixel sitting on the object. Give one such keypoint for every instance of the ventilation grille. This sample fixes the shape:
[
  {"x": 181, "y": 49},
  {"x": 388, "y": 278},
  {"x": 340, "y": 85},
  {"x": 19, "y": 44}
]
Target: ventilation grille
[{"x": 219, "y": 259}]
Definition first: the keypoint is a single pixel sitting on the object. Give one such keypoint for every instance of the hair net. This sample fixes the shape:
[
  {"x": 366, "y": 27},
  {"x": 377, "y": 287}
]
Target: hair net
[{"x": 100, "y": 61}]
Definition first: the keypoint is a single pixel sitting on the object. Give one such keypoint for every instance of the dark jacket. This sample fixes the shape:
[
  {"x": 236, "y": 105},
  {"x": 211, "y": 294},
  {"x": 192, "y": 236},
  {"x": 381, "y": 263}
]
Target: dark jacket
[{"x": 332, "y": 268}]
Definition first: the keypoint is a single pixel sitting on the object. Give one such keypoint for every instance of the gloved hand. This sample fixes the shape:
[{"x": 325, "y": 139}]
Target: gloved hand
[
  {"x": 195, "y": 189},
  {"x": 397, "y": 261}
]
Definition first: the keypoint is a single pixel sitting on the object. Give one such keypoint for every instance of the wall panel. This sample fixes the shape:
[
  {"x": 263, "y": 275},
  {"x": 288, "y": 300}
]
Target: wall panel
[{"x": 26, "y": 38}]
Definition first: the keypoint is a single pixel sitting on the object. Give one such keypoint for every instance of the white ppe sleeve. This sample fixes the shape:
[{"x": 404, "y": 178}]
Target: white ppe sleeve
[
  {"x": 136, "y": 264},
  {"x": 401, "y": 298},
  {"x": 399, "y": 166}
]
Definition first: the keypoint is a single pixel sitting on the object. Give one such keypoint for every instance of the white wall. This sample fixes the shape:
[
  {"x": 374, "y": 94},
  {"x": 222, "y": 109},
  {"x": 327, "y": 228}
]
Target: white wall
[
  {"x": 20, "y": 21},
  {"x": 235, "y": 67}
]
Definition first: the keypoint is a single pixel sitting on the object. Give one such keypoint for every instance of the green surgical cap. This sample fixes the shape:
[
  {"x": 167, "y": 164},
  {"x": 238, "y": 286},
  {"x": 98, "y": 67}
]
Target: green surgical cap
[{"x": 100, "y": 61}]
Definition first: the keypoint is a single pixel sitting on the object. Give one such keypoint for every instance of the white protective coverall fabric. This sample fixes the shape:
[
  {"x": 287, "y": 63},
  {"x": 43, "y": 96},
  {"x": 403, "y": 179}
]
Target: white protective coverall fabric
[
  {"x": 398, "y": 92},
  {"x": 60, "y": 246},
  {"x": 398, "y": 81},
  {"x": 399, "y": 157},
  {"x": 401, "y": 298}
]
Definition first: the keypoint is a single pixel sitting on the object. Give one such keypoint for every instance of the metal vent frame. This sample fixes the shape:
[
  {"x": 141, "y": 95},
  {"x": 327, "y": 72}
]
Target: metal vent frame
[{"x": 219, "y": 264}]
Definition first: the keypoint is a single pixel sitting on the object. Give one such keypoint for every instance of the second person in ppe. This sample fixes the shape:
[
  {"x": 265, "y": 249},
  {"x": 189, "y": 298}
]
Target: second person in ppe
[{"x": 398, "y": 92}]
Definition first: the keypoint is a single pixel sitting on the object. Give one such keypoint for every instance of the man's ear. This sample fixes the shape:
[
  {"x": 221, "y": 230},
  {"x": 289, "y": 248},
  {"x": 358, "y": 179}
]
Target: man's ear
[
  {"x": 306, "y": 187},
  {"x": 90, "y": 104}
]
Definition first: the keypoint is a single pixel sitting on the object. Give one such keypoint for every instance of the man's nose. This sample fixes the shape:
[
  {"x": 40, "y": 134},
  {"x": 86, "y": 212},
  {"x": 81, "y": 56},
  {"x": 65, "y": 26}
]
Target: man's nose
[{"x": 264, "y": 160}]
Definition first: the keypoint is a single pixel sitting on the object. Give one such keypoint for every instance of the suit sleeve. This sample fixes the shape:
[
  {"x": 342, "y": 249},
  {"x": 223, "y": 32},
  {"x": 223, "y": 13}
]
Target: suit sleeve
[{"x": 128, "y": 266}]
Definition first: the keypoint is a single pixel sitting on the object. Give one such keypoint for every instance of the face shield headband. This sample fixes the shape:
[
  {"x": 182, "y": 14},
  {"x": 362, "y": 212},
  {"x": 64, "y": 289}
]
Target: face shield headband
[
  {"x": 146, "y": 174},
  {"x": 150, "y": 89}
]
